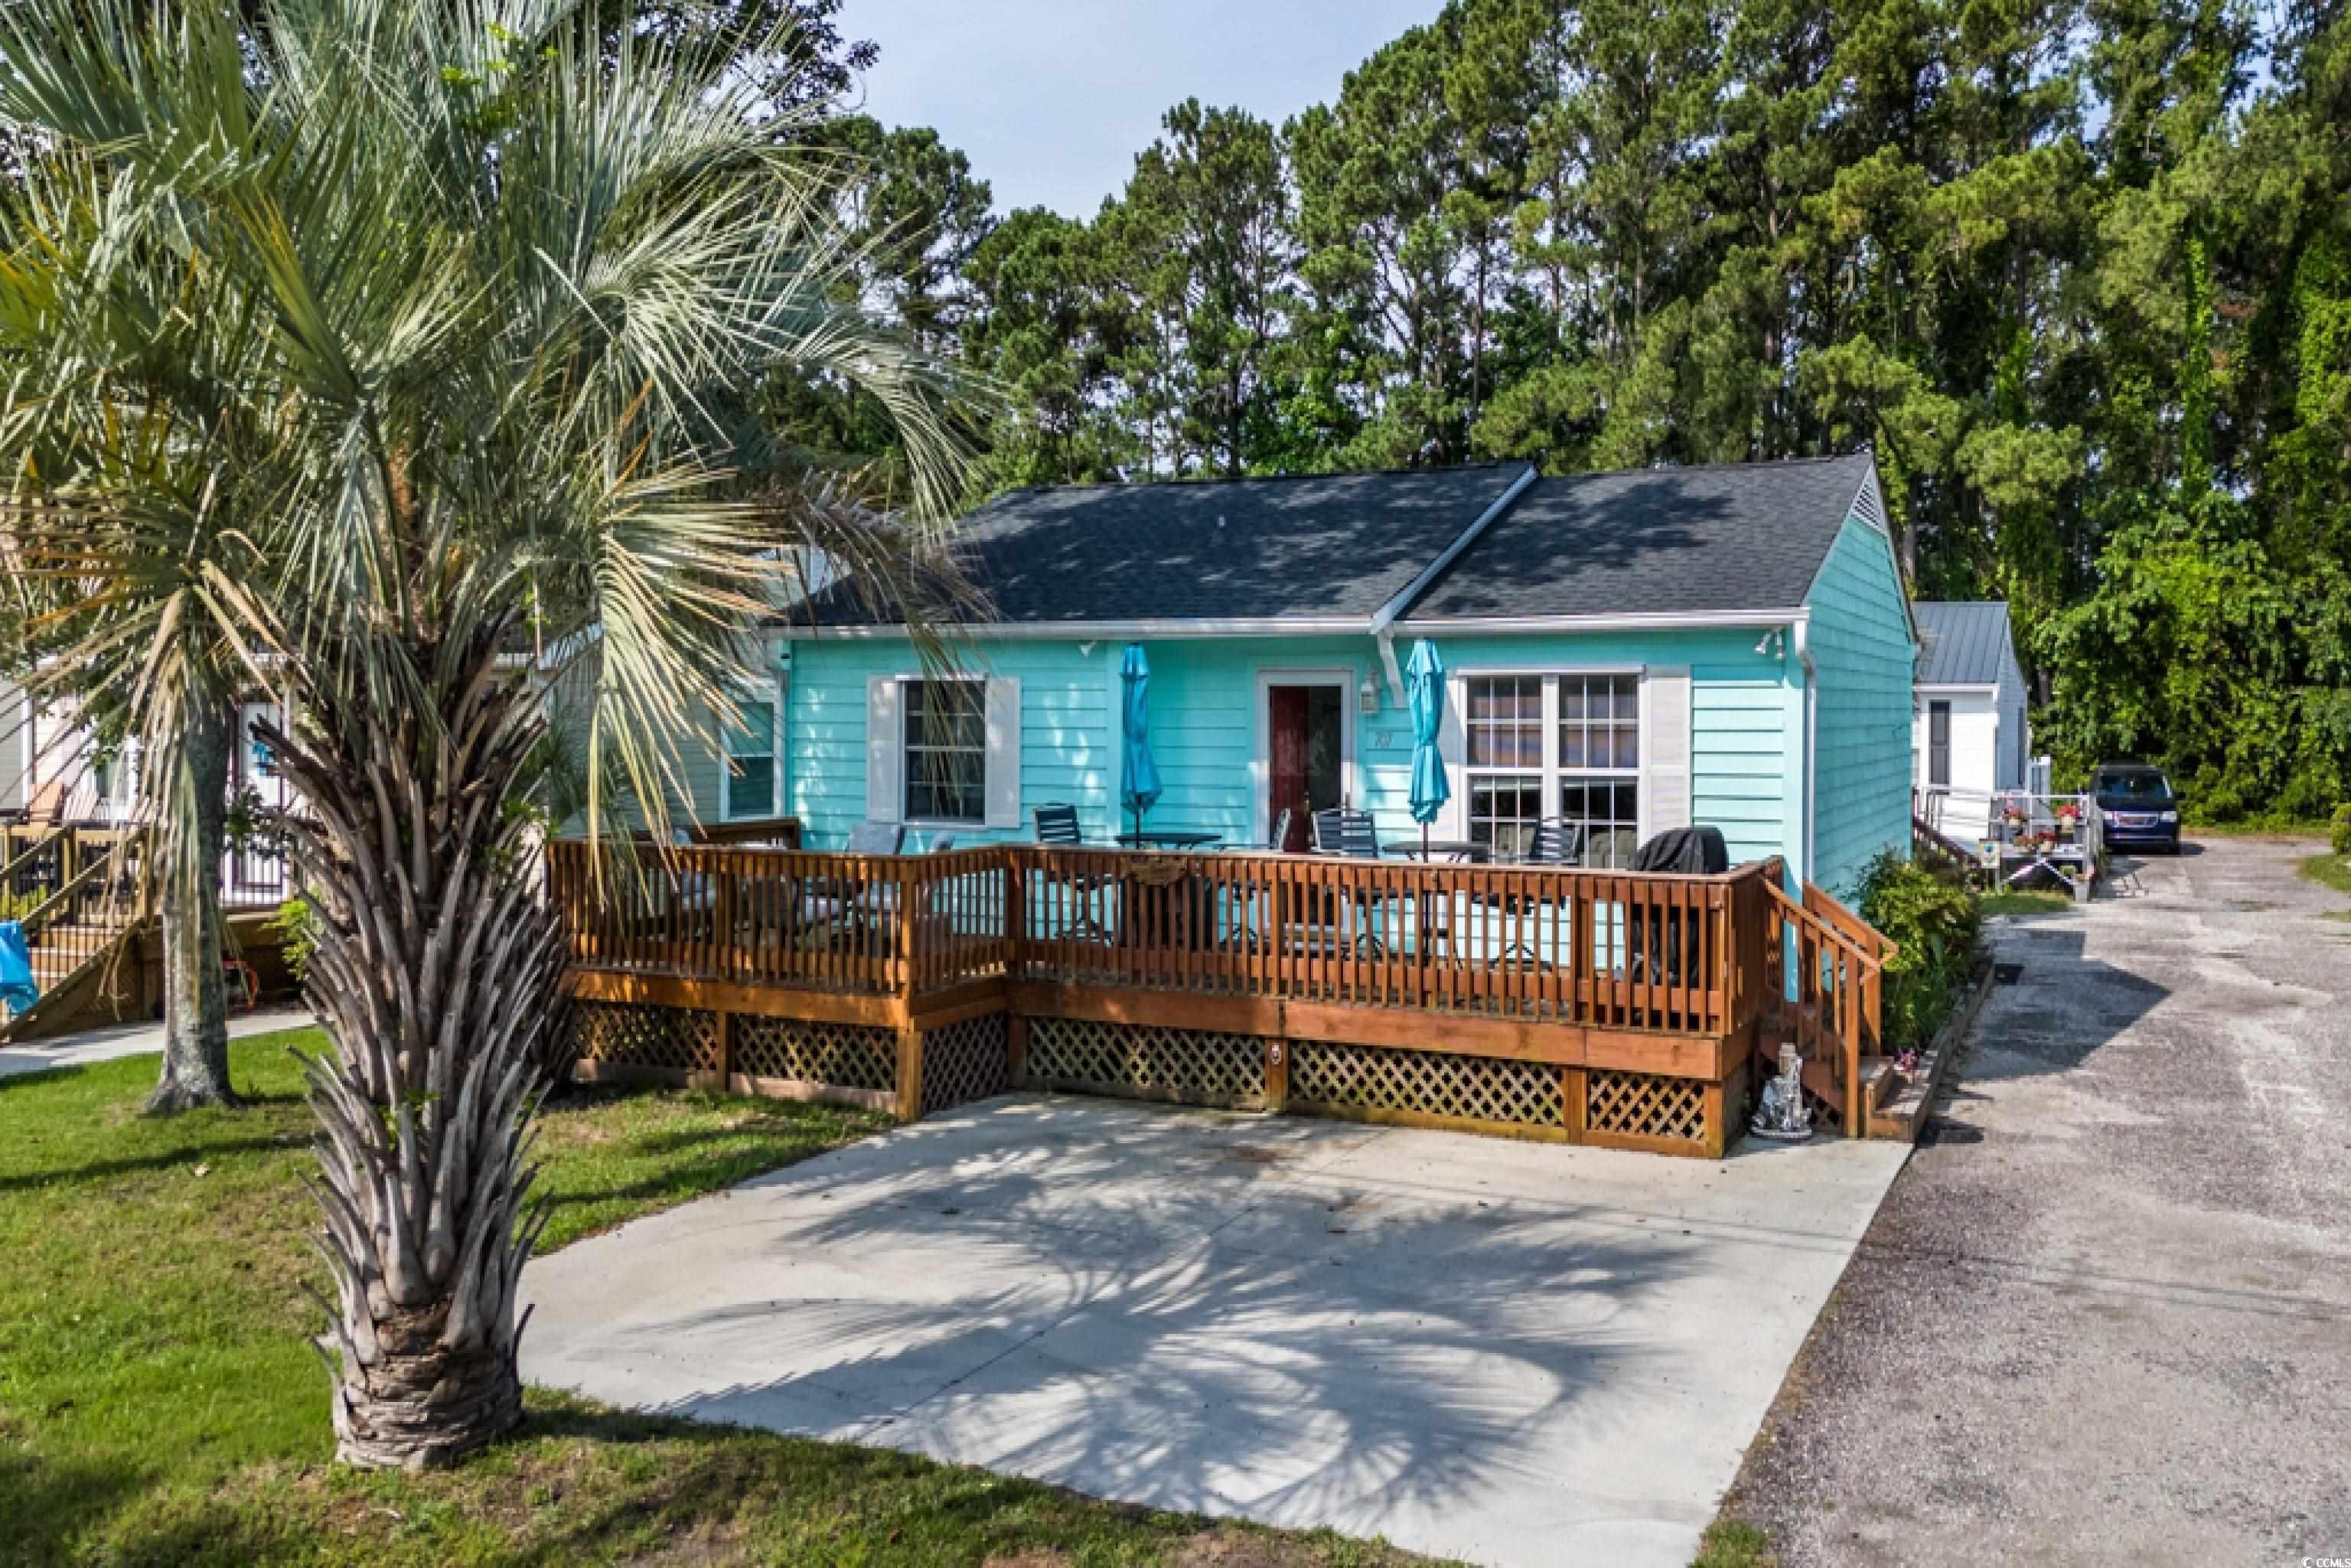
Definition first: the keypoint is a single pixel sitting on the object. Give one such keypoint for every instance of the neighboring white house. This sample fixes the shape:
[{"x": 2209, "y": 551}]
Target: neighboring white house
[
  {"x": 49, "y": 771},
  {"x": 1969, "y": 738}
]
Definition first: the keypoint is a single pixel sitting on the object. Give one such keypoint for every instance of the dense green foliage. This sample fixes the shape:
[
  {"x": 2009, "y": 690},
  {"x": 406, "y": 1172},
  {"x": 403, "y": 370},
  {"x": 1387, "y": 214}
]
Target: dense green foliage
[
  {"x": 2338, "y": 832},
  {"x": 2079, "y": 271},
  {"x": 1936, "y": 921}
]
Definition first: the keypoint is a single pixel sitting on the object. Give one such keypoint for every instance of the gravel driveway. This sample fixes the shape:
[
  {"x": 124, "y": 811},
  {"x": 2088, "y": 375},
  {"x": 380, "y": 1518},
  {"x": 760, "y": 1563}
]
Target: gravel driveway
[{"x": 2104, "y": 1314}]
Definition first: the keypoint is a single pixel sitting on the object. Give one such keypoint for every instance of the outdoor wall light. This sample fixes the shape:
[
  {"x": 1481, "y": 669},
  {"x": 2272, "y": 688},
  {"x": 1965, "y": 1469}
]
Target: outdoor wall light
[
  {"x": 1771, "y": 645},
  {"x": 1368, "y": 694}
]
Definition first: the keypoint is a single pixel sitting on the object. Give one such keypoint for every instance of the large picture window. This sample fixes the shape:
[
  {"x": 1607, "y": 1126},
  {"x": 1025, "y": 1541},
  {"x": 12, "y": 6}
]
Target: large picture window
[
  {"x": 1589, "y": 773},
  {"x": 946, "y": 751}
]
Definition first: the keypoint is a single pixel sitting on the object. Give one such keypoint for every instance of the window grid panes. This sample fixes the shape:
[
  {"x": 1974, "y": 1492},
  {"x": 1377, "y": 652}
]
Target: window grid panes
[
  {"x": 946, "y": 751},
  {"x": 1502, "y": 726},
  {"x": 751, "y": 760},
  {"x": 1593, "y": 779},
  {"x": 1600, "y": 764}
]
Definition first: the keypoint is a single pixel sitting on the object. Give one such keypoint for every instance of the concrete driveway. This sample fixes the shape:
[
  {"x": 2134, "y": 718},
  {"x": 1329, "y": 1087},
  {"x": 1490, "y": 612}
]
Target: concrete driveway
[
  {"x": 1508, "y": 1352},
  {"x": 2105, "y": 1316}
]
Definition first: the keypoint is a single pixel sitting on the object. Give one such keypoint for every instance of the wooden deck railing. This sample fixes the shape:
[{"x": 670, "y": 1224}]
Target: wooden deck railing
[
  {"x": 1835, "y": 965},
  {"x": 1539, "y": 944},
  {"x": 1610, "y": 950},
  {"x": 868, "y": 924}
]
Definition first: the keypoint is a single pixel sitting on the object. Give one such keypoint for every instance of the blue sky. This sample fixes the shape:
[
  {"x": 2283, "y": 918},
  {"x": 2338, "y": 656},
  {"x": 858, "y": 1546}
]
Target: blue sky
[{"x": 1052, "y": 99}]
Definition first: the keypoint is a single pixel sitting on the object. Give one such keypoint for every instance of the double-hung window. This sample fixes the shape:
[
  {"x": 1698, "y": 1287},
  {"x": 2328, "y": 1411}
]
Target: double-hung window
[
  {"x": 1563, "y": 745},
  {"x": 945, "y": 753},
  {"x": 747, "y": 786},
  {"x": 1503, "y": 726}
]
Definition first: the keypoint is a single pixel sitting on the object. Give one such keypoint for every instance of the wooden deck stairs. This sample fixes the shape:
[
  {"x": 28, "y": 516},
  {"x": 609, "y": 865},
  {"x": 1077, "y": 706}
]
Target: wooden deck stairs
[{"x": 76, "y": 933}]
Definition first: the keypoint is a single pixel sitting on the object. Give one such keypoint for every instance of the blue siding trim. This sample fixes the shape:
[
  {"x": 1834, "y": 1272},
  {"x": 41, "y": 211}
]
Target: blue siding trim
[{"x": 1863, "y": 651}]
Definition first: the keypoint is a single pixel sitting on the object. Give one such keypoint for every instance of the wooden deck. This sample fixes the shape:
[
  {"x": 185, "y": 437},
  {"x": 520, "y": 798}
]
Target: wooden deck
[{"x": 1578, "y": 1006}]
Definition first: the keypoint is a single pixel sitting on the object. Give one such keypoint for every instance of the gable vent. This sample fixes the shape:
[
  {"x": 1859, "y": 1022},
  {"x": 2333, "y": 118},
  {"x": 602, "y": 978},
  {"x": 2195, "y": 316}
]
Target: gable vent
[{"x": 1868, "y": 506}]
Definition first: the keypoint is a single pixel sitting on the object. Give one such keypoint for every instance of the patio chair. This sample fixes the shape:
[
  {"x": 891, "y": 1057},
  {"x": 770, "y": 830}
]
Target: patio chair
[
  {"x": 1557, "y": 842},
  {"x": 1057, "y": 826},
  {"x": 1351, "y": 834},
  {"x": 1279, "y": 838},
  {"x": 828, "y": 904},
  {"x": 878, "y": 902}
]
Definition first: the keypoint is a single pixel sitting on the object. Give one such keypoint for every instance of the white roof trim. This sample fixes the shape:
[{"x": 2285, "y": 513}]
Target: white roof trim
[
  {"x": 1659, "y": 620},
  {"x": 1084, "y": 631},
  {"x": 1386, "y": 614}
]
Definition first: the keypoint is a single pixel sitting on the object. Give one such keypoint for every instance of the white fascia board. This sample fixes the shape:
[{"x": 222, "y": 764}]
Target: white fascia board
[
  {"x": 1102, "y": 631},
  {"x": 1386, "y": 614},
  {"x": 1665, "y": 621},
  {"x": 1959, "y": 688}
]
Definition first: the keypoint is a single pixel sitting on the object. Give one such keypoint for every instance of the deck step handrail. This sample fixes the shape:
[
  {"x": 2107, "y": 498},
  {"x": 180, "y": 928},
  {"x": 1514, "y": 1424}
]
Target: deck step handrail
[
  {"x": 45, "y": 913},
  {"x": 54, "y": 839},
  {"x": 1835, "y": 989}
]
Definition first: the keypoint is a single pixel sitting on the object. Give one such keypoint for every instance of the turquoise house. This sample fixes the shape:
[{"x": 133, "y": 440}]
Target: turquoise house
[{"x": 1632, "y": 652}]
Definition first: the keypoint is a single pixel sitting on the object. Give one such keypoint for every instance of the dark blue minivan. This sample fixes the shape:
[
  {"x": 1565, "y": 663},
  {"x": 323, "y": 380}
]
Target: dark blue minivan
[{"x": 2139, "y": 809}]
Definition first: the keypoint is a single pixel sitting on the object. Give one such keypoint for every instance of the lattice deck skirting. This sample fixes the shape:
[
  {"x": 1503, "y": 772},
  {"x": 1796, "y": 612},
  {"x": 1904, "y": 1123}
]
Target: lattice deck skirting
[
  {"x": 1644, "y": 1105},
  {"x": 1425, "y": 1083},
  {"x": 622, "y": 1034},
  {"x": 964, "y": 1061},
  {"x": 843, "y": 1055},
  {"x": 970, "y": 1059},
  {"x": 1144, "y": 1062}
]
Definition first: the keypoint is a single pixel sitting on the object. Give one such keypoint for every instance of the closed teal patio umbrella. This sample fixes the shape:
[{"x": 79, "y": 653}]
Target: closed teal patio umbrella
[
  {"x": 1140, "y": 789},
  {"x": 1423, "y": 693}
]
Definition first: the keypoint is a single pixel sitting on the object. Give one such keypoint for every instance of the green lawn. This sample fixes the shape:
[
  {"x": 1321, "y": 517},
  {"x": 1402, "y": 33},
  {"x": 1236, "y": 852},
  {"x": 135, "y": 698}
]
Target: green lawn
[
  {"x": 1730, "y": 1544},
  {"x": 2027, "y": 901},
  {"x": 159, "y": 1404},
  {"x": 2329, "y": 871}
]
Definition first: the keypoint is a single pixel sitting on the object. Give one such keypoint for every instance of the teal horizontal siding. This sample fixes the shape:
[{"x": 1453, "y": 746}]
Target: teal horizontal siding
[
  {"x": 1746, "y": 748},
  {"x": 1862, "y": 648}
]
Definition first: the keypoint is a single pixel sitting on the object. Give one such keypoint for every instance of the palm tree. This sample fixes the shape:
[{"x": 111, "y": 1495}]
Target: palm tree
[{"x": 381, "y": 354}]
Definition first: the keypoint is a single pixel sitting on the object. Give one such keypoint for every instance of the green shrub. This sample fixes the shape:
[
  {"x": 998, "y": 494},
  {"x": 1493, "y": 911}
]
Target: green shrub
[
  {"x": 2338, "y": 831},
  {"x": 1936, "y": 922},
  {"x": 296, "y": 925}
]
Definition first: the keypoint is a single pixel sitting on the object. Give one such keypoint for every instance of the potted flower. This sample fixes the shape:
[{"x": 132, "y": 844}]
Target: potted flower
[{"x": 2069, "y": 818}]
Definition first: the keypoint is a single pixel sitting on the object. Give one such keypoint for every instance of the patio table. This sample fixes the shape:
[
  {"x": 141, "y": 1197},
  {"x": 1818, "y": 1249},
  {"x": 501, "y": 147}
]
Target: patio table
[
  {"x": 1169, "y": 841},
  {"x": 1432, "y": 925},
  {"x": 1454, "y": 852}
]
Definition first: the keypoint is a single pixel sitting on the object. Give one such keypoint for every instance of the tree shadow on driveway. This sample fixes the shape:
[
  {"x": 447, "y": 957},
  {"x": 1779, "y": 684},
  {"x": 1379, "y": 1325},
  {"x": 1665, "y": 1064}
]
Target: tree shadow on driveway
[{"x": 1194, "y": 1312}]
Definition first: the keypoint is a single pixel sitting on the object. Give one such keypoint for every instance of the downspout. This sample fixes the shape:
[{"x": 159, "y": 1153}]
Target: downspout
[
  {"x": 1385, "y": 639},
  {"x": 1802, "y": 644},
  {"x": 779, "y": 659},
  {"x": 1384, "y": 617}
]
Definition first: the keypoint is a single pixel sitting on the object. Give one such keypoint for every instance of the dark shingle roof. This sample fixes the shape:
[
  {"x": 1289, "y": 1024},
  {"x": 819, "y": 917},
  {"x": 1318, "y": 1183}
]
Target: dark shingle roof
[
  {"x": 1967, "y": 643},
  {"x": 1738, "y": 537},
  {"x": 1333, "y": 546},
  {"x": 1743, "y": 537}
]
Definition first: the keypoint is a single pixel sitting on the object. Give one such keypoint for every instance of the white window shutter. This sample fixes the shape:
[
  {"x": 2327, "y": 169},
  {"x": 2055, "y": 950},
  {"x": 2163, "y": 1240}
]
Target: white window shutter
[
  {"x": 1453, "y": 749},
  {"x": 1665, "y": 756},
  {"x": 885, "y": 749},
  {"x": 1003, "y": 751}
]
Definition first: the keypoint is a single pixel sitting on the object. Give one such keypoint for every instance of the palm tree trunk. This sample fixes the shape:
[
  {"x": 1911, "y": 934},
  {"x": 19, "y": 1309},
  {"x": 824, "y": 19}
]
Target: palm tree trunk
[
  {"x": 435, "y": 976},
  {"x": 195, "y": 999}
]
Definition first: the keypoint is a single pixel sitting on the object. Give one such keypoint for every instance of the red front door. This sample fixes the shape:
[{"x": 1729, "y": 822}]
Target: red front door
[{"x": 1286, "y": 767}]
